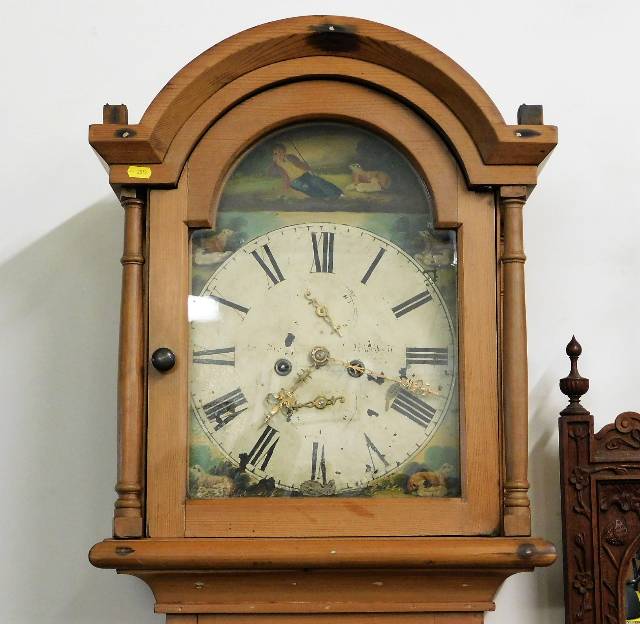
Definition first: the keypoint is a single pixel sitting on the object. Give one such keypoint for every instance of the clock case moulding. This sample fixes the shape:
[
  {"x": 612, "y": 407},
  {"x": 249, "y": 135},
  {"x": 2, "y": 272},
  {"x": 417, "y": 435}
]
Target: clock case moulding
[{"x": 357, "y": 560}]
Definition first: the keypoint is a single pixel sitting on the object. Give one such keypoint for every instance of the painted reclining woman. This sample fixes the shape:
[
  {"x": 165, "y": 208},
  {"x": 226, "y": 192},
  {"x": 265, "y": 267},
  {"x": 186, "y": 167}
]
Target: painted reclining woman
[{"x": 297, "y": 175}]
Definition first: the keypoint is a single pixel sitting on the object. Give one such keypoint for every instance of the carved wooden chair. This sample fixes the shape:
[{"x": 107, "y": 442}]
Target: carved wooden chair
[{"x": 600, "y": 480}]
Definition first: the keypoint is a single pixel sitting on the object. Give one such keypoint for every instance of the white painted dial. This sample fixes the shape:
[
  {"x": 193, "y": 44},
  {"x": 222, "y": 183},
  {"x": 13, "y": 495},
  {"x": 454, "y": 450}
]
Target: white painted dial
[{"x": 381, "y": 310}]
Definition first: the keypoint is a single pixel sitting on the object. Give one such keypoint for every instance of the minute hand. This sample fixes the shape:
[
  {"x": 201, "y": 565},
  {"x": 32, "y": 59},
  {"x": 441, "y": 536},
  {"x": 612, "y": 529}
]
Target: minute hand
[{"x": 417, "y": 386}]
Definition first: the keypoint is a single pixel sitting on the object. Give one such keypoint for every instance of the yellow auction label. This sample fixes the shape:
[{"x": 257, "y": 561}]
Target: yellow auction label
[{"x": 134, "y": 171}]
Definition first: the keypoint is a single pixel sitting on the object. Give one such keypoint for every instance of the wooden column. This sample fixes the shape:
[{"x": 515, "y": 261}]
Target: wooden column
[
  {"x": 517, "y": 514},
  {"x": 128, "y": 518}
]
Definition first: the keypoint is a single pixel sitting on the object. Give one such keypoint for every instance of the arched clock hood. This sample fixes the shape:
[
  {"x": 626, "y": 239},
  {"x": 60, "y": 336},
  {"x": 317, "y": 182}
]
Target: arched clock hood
[{"x": 489, "y": 150}]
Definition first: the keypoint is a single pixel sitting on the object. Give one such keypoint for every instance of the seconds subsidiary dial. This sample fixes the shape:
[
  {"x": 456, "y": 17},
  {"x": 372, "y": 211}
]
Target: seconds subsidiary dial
[{"x": 324, "y": 358}]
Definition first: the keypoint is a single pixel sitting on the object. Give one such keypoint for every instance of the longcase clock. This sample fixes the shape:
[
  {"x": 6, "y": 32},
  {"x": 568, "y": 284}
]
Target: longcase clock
[{"x": 323, "y": 378}]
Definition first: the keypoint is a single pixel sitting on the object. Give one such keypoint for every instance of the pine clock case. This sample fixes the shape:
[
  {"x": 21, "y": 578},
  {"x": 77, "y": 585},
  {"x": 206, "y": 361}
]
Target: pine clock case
[{"x": 168, "y": 172}]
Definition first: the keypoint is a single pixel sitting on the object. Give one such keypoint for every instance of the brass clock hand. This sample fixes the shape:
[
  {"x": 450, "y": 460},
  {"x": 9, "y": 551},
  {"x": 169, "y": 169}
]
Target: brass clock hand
[
  {"x": 322, "y": 311},
  {"x": 285, "y": 399},
  {"x": 417, "y": 386},
  {"x": 320, "y": 402}
]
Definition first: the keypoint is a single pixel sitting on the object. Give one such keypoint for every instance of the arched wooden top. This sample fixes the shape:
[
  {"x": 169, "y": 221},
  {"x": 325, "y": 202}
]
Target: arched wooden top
[{"x": 309, "y": 40}]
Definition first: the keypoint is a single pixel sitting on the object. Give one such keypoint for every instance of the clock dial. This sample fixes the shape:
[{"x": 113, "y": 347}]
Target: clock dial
[{"x": 327, "y": 361}]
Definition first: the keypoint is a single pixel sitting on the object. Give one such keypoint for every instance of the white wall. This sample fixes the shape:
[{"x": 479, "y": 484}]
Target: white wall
[{"x": 61, "y": 232}]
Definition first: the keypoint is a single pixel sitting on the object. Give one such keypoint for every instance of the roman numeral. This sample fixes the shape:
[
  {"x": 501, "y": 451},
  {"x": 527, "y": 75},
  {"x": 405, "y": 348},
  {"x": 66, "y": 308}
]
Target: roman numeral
[
  {"x": 270, "y": 267},
  {"x": 372, "y": 447},
  {"x": 323, "y": 252},
  {"x": 263, "y": 448},
  {"x": 428, "y": 355},
  {"x": 314, "y": 464},
  {"x": 372, "y": 266},
  {"x": 411, "y": 304},
  {"x": 414, "y": 408},
  {"x": 222, "y": 357},
  {"x": 225, "y": 408},
  {"x": 230, "y": 304}
]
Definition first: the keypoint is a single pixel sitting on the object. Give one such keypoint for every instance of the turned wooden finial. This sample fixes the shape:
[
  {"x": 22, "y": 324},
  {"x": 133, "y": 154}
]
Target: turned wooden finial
[{"x": 574, "y": 385}]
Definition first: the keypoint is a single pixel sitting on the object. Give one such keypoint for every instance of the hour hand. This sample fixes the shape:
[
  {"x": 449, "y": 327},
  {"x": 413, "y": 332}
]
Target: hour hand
[
  {"x": 322, "y": 311},
  {"x": 285, "y": 402},
  {"x": 321, "y": 401}
]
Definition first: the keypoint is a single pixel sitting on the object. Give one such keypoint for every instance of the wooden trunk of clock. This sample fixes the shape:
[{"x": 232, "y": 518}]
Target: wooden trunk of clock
[{"x": 220, "y": 535}]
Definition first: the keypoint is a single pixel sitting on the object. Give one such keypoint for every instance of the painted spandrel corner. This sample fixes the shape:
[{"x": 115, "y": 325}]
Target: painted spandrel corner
[{"x": 338, "y": 216}]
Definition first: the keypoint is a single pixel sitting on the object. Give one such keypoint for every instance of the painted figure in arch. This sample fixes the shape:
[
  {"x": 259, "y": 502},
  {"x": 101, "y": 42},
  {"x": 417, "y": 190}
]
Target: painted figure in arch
[{"x": 297, "y": 174}]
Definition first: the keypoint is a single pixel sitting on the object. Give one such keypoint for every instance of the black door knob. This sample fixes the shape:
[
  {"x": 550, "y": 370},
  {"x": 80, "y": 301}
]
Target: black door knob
[{"x": 163, "y": 359}]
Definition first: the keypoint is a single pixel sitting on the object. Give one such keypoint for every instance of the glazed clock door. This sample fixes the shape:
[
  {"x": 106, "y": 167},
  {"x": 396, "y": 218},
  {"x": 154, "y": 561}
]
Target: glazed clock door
[
  {"x": 319, "y": 321},
  {"x": 323, "y": 327}
]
